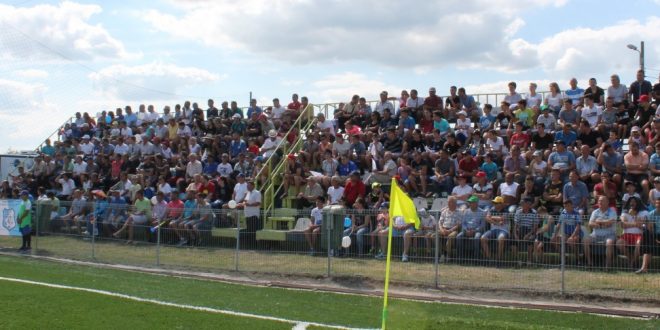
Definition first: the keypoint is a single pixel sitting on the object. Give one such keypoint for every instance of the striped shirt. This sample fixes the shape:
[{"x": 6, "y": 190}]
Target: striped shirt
[{"x": 526, "y": 219}]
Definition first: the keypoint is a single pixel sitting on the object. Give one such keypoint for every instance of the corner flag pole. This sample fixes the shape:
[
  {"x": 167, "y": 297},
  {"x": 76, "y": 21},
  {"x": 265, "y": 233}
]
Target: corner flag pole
[{"x": 387, "y": 274}]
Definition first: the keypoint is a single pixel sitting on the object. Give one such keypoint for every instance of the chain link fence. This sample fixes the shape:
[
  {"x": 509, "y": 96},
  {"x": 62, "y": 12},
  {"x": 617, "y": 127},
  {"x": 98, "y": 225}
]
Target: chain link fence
[{"x": 299, "y": 242}]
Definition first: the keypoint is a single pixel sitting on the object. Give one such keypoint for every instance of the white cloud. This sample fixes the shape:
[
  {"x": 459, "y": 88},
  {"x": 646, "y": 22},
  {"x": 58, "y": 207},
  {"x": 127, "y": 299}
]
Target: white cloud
[
  {"x": 588, "y": 51},
  {"x": 31, "y": 74},
  {"x": 152, "y": 81},
  {"x": 340, "y": 88},
  {"x": 464, "y": 33},
  {"x": 22, "y": 105},
  {"x": 65, "y": 29}
]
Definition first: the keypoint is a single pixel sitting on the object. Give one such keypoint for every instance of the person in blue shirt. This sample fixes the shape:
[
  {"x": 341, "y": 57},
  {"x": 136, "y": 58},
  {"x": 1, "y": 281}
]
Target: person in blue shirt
[
  {"x": 237, "y": 145},
  {"x": 406, "y": 122},
  {"x": 346, "y": 166},
  {"x": 572, "y": 223},
  {"x": 487, "y": 121},
  {"x": 490, "y": 167},
  {"x": 567, "y": 135},
  {"x": 562, "y": 159},
  {"x": 253, "y": 108},
  {"x": 98, "y": 215},
  {"x": 577, "y": 192},
  {"x": 48, "y": 149},
  {"x": 575, "y": 93},
  {"x": 130, "y": 118}
]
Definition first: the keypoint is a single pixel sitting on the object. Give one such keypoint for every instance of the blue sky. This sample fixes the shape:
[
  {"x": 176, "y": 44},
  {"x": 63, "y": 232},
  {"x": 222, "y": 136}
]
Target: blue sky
[{"x": 62, "y": 57}]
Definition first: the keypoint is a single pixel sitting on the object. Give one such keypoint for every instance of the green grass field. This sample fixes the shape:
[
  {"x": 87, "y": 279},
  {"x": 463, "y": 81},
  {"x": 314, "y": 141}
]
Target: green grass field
[{"x": 28, "y": 306}]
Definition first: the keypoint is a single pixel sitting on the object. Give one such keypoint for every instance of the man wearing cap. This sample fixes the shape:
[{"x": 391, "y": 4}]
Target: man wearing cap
[
  {"x": 547, "y": 119},
  {"x": 526, "y": 224},
  {"x": 637, "y": 163},
  {"x": 310, "y": 193},
  {"x": 483, "y": 190},
  {"x": 24, "y": 219},
  {"x": 644, "y": 113},
  {"x": 270, "y": 144},
  {"x": 500, "y": 224},
  {"x": 472, "y": 226}
]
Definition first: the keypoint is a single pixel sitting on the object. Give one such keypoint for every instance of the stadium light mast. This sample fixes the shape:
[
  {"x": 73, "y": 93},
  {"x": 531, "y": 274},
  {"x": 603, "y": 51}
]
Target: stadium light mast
[{"x": 640, "y": 50}]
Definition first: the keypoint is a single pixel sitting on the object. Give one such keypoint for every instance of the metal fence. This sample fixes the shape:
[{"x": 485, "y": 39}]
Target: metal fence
[{"x": 283, "y": 243}]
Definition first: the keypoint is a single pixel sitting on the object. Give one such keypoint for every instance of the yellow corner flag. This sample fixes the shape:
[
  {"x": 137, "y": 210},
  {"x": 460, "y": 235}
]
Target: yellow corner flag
[{"x": 400, "y": 206}]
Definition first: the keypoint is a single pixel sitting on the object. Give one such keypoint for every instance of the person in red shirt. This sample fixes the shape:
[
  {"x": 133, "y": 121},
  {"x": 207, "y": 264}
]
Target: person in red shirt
[
  {"x": 354, "y": 188},
  {"x": 433, "y": 102},
  {"x": 606, "y": 187},
  {"x": 295, "y": 104},
  {"x": 520, "y": 138},
  {"x": 468, "y": 166}
]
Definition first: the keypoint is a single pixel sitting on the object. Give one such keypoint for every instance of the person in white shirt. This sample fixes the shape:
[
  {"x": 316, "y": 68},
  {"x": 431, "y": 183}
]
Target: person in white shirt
[
  {"x": 79, "y": 167},
  {"x": 591, "y": 112},
  {"x": 68, "y": 185},
  {"x": 224, "y": 168},
  {"x": 240, "y": 189},
  {"x": 462, "y": 191},
  {"x": 278, "y": 109},
  {"x": 335, "y": 191},
  {"x": 533, "y": 99},
  {"x": 194, "y": 166},
  {"x": 270, "y": 144},
  {"x": 86, "y": 147},
  {"x": 121, "y": 148},
  {"x": 384, "y": 104},
  {"x": 414, "y": 103},
  {"x": 251, "y": 206},
  {"x": 325, "y": 126}
]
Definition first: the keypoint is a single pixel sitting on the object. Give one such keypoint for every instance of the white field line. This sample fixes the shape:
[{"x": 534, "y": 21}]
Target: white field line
[{"x": 297, "y": 324}]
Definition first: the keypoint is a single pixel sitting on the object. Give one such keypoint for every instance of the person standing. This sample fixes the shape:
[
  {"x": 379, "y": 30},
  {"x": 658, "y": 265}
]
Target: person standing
[
  {"x": 251, "y": 207},
  {"x": 25, "y": 221}
]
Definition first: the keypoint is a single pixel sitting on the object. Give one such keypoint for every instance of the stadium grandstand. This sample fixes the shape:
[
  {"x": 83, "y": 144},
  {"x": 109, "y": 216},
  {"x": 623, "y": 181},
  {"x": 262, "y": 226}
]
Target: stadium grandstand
[{"x": 501, "y": 179}]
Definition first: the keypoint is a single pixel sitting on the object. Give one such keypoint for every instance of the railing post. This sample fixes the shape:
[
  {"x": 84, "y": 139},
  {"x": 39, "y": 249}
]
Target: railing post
[{"x": 563, "y": 257}]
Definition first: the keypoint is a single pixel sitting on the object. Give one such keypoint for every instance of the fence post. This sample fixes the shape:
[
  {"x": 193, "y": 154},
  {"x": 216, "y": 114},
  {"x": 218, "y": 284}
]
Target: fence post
[
  {"x": 330, "y": 224},
  {"x": 93, "y": 240},
  {"x": 36, "y": 235},
  {"x": 563, "y": 257},
  {"x": 238, "y": 240},
  {"x": 436, "y": 262},
  {"x": 158, "y": 233}
]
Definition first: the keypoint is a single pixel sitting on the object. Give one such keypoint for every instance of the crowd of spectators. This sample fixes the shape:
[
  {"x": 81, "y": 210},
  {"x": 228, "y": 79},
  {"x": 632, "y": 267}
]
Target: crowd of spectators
[{"x": 529, "y": 154}]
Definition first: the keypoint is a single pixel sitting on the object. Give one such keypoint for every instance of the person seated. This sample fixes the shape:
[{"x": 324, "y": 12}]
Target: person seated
[
  {"x": 632, "y": 218},
  {"x": 571, "y": 222},
  {"x": 399, "y": 228},
  {"x": 603, "y": 225},
  {"x": 139, "y": 217},
  {"x": 179, "y": 224},
  {"x": 577, "y": 192},
  {"x": 201, "y": 220},
  {"x": 426, "y": 231},
  {"x": 312, "y": 232},
  {"x": 526, "y": 225},
  {"x": 360, "y": 224},
  {"x": 472, "y": 226},
  {"x": 500, "y": 224},
  {"x": 650, "y": 237},
  {"x": 449, "y": 224},
  {"x": 462, "y": 191}
]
